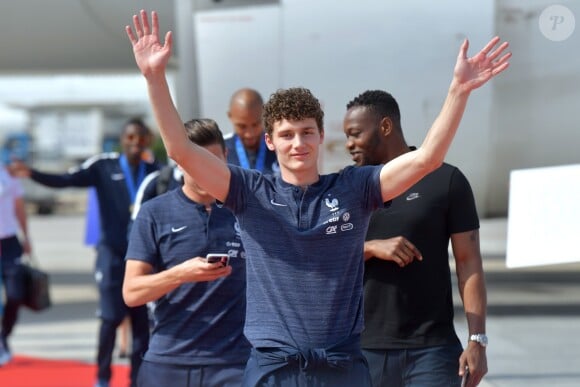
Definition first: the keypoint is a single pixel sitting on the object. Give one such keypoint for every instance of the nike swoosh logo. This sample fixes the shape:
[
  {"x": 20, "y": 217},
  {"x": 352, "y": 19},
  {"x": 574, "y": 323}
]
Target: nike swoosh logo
[
  {"x": 117, "y": 176},
  {"x": 173, "y": 229},
  {"x": 413, "y": 196},
  {"x": 277, "y": 204}
]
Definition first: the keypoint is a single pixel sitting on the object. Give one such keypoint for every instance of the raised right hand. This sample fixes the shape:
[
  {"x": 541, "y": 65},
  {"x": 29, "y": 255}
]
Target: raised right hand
[{"x": 151, "y": 56}]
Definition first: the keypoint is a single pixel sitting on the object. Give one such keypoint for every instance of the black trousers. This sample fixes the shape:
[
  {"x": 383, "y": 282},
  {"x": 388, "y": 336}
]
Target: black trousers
[{"x": 11, "y": 251}]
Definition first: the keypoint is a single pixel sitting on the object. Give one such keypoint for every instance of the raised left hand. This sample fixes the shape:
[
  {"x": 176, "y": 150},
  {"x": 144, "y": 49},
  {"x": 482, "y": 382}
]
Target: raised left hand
[{"x": 471, "y": 73}]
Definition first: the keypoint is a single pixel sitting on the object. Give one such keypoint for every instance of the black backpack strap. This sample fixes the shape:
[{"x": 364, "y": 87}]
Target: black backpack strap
[{"x": 163, "y": 179}]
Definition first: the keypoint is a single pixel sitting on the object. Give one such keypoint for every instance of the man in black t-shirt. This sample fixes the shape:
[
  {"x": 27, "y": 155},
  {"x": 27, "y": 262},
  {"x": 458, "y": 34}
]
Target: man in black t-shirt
[{"x": 409, "y": 337}]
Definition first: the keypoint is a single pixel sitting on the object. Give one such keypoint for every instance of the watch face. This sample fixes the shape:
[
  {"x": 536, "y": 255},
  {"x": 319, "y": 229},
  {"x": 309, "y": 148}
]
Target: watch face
[
  {"x": 479, "y": 338},
  {"x": 483, "y": 339}
]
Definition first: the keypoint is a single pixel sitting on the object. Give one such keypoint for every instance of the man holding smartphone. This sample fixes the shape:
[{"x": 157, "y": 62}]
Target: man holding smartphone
[
  {"x": 200, "y": 306},
  {"x": 222, "y": 258}
]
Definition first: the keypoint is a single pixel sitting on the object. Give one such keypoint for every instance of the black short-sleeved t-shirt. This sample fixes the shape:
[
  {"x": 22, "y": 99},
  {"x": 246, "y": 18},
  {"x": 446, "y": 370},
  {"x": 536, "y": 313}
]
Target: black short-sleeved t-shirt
[{"x": 412, "y": 307}]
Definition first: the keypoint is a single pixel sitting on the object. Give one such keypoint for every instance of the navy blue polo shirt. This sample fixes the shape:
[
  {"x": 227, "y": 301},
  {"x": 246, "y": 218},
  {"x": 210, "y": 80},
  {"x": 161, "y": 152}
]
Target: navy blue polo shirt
[
  {"x": 199, "y": 323},
  {"x": 305, "y": 254}
]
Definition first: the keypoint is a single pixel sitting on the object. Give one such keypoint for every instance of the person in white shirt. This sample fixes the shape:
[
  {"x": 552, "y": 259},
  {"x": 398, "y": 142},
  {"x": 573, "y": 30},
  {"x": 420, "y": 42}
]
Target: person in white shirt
[{"x": 14, "y": 242}]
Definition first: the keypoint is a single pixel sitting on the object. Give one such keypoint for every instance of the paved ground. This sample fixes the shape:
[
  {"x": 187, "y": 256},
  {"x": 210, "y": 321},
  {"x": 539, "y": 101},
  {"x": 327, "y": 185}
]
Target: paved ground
[{"x": 533, "y": 323}]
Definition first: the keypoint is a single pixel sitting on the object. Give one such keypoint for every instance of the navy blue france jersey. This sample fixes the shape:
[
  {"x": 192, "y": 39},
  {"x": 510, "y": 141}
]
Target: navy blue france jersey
[
  {"x": 305, "y": 254},
  {"x": 198, "y": 323}
]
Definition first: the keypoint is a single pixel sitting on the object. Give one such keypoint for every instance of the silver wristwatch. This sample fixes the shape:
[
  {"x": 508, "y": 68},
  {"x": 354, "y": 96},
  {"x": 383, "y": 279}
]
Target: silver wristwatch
[{"x": 480, "y": 338}]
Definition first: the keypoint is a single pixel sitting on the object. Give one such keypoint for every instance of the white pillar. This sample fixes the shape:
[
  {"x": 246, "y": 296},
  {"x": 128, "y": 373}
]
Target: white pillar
[{"x": 186, "y": 82}]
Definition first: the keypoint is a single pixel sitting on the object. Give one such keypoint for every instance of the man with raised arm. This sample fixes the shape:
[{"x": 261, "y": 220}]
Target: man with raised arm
[{"x": 304, "y": 232}]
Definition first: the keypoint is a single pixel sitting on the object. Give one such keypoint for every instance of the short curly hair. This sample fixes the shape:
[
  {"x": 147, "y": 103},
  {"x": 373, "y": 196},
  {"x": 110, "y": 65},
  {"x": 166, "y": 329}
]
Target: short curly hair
[
  {"x": 295, "y": 103},
  {"x": 381, "y": 103}
]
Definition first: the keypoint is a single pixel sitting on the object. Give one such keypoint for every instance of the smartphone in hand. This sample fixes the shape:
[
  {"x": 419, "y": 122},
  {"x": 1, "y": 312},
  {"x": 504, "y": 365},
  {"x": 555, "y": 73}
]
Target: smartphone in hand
[
  {"x": 224, "y": 258},
  {"x": 465, "y": 377}
]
